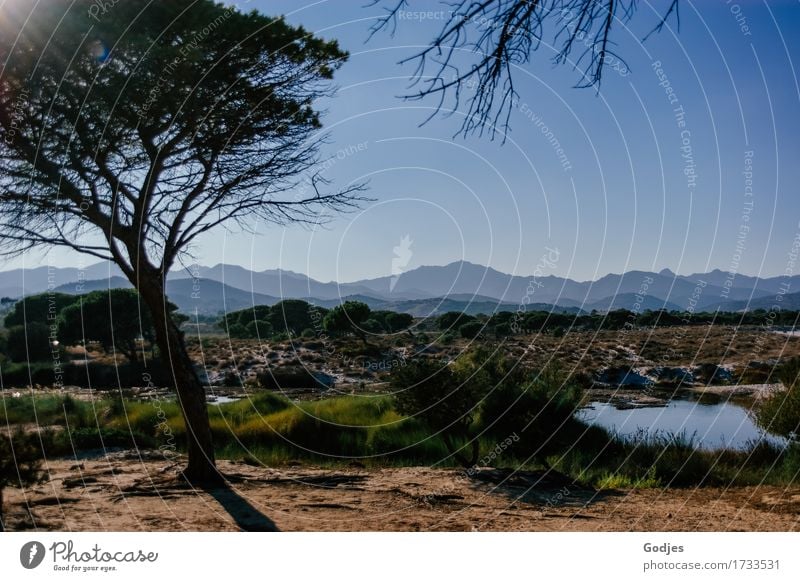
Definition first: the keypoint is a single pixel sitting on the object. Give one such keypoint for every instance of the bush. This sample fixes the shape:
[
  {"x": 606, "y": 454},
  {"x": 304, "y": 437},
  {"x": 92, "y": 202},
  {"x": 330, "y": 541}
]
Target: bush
[
  {"x": 470, "y": 330},
  {"x": 780, "y": 414},
  {"x": 259, "y": 329},
  {"x": 30, "y": 342},
  {"x": 539, "y": 409},
  {"x": 20, "y": 463},
  {"x": 91, "y": 438},
  {"x": 447, "y": 398},
  {"x": 452, "y": 321}
]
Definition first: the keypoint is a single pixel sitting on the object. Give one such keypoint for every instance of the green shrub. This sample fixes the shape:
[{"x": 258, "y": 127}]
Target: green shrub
[
  {"x": 539, "y": 409},
  {"x": 471, "y": 330},
  {"x": 780, "y": 414},
  {"x": 30, "y": 342},
  {"x": 20, "y": 463},
  {"x": 91, "y": 438}
]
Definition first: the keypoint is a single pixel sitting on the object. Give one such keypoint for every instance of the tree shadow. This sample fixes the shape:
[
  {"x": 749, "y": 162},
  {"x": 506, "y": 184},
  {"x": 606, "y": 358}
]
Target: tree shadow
[
  {"x": 545, "y": 488},
  {"x": 246, "y": 516}
]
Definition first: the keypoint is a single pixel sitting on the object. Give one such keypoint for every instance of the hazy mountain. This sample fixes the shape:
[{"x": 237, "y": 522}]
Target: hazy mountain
[
  {"x": 473, "y": 287},
  {"x": 23, "y": 281},
  {"x": 788, "y": 302},
  {"x": 627, "y": 300},
  {"x": 203, "y": 296},
  {"x": 276, "y": 282}
]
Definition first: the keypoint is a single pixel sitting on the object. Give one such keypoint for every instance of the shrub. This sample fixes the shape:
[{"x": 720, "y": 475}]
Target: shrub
[
  {"x": 90, "y": 438},
  {"x": 471, "y": 330},
  {"x": 20, "y": 463},
  {"x": 539, "y": 409},
  {"x": 452, "y": 321},
  {"x": 30, "y": 342},
  {"x": 780, "y": 414}
]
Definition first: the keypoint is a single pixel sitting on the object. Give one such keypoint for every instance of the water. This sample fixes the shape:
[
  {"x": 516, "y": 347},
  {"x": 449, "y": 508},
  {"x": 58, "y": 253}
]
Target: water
[
  {"x": 714, "y": 426},
  {"x": 220, "y": 399}
]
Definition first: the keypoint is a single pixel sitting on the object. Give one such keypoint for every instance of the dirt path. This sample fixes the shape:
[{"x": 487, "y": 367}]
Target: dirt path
[{"x": 120, "y": 492}]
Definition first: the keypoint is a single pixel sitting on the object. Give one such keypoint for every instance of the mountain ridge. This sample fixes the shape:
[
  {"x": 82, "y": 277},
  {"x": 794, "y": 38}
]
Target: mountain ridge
[{"x": 228, "y": 286}]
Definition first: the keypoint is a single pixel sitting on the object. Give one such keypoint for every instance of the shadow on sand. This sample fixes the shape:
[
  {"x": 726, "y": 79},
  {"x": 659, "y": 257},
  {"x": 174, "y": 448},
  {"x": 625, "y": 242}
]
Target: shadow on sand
[
  {"x": 246, "y": 516},
  {"x": 545, "y": 488}
]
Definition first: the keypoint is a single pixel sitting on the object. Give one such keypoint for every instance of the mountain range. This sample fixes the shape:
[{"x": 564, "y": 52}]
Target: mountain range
[{"x": 460, "y": 286}]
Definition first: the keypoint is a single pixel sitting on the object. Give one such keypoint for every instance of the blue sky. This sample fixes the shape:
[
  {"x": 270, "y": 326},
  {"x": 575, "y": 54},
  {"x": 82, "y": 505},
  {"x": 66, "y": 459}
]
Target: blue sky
[{"x": 624, "y": 200}]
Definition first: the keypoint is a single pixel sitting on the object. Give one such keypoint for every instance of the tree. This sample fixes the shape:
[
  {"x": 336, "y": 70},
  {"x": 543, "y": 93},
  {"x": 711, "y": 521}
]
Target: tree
[
  {"x": 502, "y": 35},
  {"x": 31, "y": 342},
  {"x": 471, "y": 329},
  {"x": 293, "y": 316},
  {"x": 397, "y": 322},
  {"x": 129, "y": 136},
  {"x": 20, "y": 464},
  {"x": 452, "y": 320},
  {"x": 42, "y": 308},
  {"x": 347, "y": 318},
  {"x": 114, "y": 318},
  {"x": 259, "y": 329}
]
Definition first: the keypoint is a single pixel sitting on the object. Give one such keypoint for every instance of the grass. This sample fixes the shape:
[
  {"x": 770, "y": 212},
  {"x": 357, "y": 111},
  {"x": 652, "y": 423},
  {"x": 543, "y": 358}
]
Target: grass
[{"x": 269, "y": 429}]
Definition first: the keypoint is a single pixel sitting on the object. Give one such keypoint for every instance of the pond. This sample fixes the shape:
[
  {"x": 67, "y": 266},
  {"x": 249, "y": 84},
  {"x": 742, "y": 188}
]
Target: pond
[{"x": 722, "y": 424}]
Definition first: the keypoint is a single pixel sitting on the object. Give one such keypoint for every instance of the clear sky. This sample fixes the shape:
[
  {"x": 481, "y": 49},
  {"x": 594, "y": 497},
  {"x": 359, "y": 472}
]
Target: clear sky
[{"x": 619, "y": 198}]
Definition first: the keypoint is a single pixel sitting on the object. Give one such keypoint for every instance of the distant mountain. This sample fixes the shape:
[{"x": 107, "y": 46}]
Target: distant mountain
[
  {"x": 627, "y": 301},
  {"x": 278, "y": 283},
  {"x": 24, "y": 281},
  {"x": 458, "y": 285},
  {"x": 788, "y": 302},
  {"x": 204, "y": 296}
]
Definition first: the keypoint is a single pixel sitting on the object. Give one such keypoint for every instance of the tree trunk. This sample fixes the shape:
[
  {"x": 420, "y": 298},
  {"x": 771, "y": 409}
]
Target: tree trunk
[{"x": 191, "y": 395}]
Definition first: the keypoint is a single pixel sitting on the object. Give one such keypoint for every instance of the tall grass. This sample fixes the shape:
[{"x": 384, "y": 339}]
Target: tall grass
[{"x": 266, "y": 428}]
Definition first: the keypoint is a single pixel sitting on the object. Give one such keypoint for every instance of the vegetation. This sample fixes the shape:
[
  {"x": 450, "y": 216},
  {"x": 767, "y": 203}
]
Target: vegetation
[
  {"x": 268, "y": 428},
  {"x": 168, "y": 147},
  {"x": 114, "y": 318},
  {"x": 483, "y": 392},
  {"x": 781, "y": 412},
  {"x": 348, "y": 317},
  {"x": 20, "y": 463}
]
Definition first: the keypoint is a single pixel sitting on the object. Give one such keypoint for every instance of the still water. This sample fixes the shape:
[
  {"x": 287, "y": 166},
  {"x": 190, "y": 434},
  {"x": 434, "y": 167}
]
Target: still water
[{"x": 712, "y": 426}]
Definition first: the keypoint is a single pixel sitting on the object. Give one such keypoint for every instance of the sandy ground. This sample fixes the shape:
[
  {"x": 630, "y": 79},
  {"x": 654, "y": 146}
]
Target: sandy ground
[{"x": 120, "y": 492}]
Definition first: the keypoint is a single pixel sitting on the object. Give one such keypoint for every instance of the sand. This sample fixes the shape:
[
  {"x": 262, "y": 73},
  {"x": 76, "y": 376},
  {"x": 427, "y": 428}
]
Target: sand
[{"x": 122, "y": 492}]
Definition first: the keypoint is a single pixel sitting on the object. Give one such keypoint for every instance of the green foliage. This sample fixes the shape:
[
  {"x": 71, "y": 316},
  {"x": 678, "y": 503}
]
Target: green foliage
[
  {"x": 42, "y": 308},
  {"x": 538, "y": 408},
  {"x": 290, "y": 317},
  {"x": 430, "y": 391},
  {"x": 20, "y": 463},
  {"x": 260, "y": 329},
  {"x": 20, "y": 460},
  {"x": 90, "y": 438},
  {"x": 48, "y": 410},
  {"x": 114, "y": 318},
  {"x": 31, "y": 342},
  {"x": 471, "y": 330},
  {"x": 389, "y": 322},
  {"x": 347, "y": 318},
  {"x": 780, "y": 414},
  {"x": 451, "y": 321},
  {"x": 617, "y": 480}
]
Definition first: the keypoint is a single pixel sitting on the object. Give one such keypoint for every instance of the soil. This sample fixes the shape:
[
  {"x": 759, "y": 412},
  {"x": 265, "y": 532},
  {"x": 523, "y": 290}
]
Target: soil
[{"x": 127, "y": 492}]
